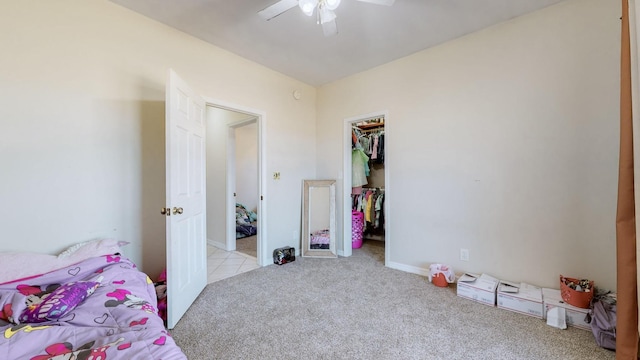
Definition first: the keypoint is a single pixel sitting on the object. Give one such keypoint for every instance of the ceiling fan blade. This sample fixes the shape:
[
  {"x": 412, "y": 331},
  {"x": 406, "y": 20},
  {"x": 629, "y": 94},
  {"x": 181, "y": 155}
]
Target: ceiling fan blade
[
  {"x": 277, "y": 9},
  {"x": 330, "y": 28},
  {"x": 380, "y": 2}
]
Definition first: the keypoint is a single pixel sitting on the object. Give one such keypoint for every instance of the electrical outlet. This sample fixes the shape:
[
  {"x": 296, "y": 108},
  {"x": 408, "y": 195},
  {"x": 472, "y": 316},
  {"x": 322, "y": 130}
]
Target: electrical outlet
[{"x": 464, "y": 254}]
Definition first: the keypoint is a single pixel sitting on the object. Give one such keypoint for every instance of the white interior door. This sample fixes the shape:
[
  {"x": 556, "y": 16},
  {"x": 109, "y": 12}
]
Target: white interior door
[{"x": 186, "y": 197}]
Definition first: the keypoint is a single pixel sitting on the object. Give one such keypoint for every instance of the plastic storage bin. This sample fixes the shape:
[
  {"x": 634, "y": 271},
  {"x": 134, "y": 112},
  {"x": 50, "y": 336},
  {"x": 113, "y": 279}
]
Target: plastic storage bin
[
  {"x": 357, "y": 228},
  {"x": 440, "y": 280},
  {"x": 581, "y": 299}
]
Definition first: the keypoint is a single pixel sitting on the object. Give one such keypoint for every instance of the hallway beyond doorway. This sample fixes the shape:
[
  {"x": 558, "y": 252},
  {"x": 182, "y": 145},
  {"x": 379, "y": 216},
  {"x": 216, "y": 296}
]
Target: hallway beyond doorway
[{"x": 222, "y": 264}]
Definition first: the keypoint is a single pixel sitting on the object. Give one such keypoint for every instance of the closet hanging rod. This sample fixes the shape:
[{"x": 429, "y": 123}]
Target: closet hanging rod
[{"x": 369, "y": 131}]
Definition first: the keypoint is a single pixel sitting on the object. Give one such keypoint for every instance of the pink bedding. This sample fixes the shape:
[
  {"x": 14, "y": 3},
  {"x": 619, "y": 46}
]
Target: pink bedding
[
  {"x": 101, "y": 308},
  {"x": 321, "y": 237}
]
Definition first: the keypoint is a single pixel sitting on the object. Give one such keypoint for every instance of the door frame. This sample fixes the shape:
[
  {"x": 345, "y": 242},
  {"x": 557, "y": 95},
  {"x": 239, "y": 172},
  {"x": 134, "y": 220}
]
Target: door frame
[
  {"x": 346, "y": 184},
  {"x": 260, "y": 118}
]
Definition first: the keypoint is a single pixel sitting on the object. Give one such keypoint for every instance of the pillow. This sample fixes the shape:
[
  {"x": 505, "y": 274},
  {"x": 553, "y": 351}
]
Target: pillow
[
  {"x": 23, "y": 265},
  {"x": 58, "y": 303},
  {"x": 89, "y": 249}
]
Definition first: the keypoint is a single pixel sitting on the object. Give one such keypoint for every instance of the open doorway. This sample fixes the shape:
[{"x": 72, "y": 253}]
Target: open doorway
[
  {"x": 365, "y": 199},
  {"x": 234, "y": 184},
  {"x": 243, "y": 151}
]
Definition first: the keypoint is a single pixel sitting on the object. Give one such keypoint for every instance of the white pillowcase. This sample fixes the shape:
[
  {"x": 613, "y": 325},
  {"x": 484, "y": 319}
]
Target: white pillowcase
[
  {"x": 87, "y": 249},
  {"x": 20, "y": 265}
]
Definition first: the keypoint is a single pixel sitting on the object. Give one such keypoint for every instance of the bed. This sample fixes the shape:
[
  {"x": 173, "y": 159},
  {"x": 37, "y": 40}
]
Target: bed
[
  {"x": 320, "y": 239},
  {"x": 245, "y": 222},
  {"x": 89, "y": 302}
]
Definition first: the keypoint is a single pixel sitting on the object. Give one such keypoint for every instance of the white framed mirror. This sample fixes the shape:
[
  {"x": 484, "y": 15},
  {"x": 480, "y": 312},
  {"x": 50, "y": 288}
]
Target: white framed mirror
[{"x": 319, "y": 219}]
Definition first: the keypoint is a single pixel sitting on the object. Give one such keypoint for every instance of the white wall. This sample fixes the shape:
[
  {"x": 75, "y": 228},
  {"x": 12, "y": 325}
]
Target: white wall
[
  {"x": 504, "y": 142},
  {"x": 82, "y": 87}
]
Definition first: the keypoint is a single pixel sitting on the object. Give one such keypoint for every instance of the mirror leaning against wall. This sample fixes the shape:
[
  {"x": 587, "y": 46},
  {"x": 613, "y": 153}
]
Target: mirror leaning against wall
[{"x": 319, "y": 219}]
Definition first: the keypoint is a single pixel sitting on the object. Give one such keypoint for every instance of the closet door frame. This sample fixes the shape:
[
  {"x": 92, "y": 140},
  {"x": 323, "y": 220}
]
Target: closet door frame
[{"x": 346, "y": 184}]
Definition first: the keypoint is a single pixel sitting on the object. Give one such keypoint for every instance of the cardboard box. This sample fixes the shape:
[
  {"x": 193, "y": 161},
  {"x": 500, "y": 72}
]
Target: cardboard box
[
  {"x": 575, "y": 315},
  {"x": 480, "y": 288},
  {"x": 522, "y": 298}
]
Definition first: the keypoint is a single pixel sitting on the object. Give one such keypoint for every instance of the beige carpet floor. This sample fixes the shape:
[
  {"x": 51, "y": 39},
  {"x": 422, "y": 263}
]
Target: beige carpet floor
[{"x": 356, "y": 308}]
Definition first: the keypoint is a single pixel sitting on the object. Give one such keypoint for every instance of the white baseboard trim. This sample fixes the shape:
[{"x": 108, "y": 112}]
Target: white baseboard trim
[
  {"x": 217, "y": 244},
  {"x": 267, "y": 262},
  {"x": 408, "y": 268}
]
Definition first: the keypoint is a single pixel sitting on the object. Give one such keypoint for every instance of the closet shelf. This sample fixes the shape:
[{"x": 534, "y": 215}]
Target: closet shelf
[{"x": 370, "y": 126}]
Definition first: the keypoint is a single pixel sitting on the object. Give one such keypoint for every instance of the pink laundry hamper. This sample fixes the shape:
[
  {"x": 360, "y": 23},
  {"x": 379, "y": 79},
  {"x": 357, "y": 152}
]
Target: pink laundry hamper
[{"x": 357, "y": 227}]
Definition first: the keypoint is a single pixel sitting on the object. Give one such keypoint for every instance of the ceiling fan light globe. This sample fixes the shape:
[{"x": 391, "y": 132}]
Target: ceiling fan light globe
[
  {"x": 307, "y": 6},
  {"x": 332, "y": 4}
]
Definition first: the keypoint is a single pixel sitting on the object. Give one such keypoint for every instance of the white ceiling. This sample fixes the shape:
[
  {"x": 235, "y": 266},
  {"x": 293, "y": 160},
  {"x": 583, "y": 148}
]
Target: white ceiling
[{"x": 368, "y": 35}]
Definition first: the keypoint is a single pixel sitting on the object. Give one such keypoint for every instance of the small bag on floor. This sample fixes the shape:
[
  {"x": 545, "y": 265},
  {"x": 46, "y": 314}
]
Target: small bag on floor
[
  {"x": 603, "y": 324},
  {"x": 161, "y": 293},
  {"x": 284, "y": 255}
]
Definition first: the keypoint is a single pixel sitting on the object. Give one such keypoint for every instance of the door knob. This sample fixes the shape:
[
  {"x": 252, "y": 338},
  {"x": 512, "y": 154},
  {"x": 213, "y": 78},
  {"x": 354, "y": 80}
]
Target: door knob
[
  {"x": 177, "y": 210},
  {"x": 165, "y": 211}
]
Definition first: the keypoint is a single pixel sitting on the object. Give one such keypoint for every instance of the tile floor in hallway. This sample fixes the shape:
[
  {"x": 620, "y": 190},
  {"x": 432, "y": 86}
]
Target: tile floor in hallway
[{"x": 222, "y": 264}]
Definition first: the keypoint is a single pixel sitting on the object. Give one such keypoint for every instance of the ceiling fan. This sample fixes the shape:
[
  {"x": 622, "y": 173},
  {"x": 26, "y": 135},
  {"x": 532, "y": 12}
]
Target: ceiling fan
[{"x": 325, "y": 11}]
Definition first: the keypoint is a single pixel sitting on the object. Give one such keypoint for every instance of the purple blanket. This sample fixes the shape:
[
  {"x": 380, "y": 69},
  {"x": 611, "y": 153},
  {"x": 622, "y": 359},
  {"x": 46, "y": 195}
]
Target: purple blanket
[{"x": 100, "y": 309}]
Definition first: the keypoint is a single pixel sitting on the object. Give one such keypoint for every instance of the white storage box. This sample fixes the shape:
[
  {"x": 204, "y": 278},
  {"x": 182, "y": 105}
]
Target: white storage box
[
  {"x": 480, "y": 288},
  {"x": 575, "y": 315},
  {"x": 522, "y": 298}
]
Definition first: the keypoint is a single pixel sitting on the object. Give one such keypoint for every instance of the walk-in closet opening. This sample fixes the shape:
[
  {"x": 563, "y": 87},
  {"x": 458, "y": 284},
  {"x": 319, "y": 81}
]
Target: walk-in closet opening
[{"x": 365, "y": 187}]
